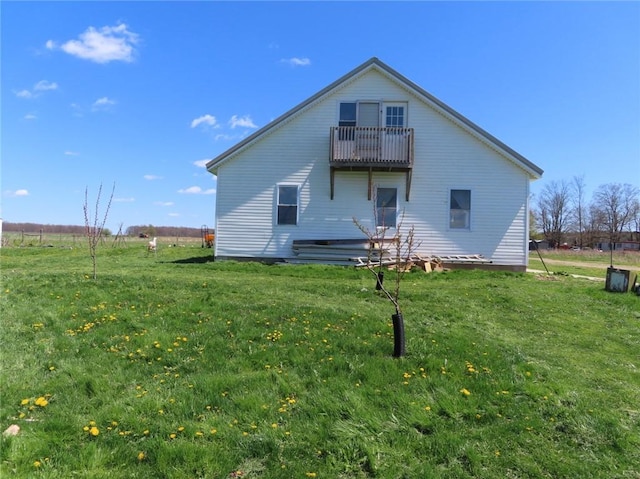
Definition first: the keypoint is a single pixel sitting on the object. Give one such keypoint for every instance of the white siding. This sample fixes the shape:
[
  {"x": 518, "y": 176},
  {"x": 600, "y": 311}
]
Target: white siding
[{"x": 446, "y": 157}]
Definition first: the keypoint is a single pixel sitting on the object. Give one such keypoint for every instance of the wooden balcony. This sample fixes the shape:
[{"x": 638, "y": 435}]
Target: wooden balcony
[{"x": 371, "y": 149}]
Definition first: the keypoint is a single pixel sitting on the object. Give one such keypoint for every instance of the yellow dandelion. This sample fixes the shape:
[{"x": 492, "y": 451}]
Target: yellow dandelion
[
  {"x": 141, "y": 456},
  {"x": 172, "y": 435},
  {"x": 213, "y": 431},
  {"x": 41, "y": 401},
  {"x": 427, "y": 408},
  {"x": 24, "y": 402},
  {"x": 37, "y": 464},
  {"x": 465, "y": 392},
  {"x": 94, "y": 431}
]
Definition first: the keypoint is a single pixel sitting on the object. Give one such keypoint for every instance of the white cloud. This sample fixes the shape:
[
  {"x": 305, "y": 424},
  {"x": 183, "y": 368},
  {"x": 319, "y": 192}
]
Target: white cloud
[
  {"x": 297, "y": 62},
  {"x": 30, "y": 116},
  {"x": 201, "y": 163},
  {"x": 44, "y": 85},
  {"x": 24, "y": 94},
  {"x": 101, "y": 45},
  {"x": 21, "y": 192},
  {"x": 124, "y": 200},
  {"x": 174, "y": 215},
  {"x": 102, "y": 103},
  {"x": 196, "y": 190},
  {"x": 71, "y": 153},
  {"x": 164, "y": 203},
  {"x": 205, "y": 120},
  {"x": 244, "y": 122},
  {"x": 152, "y": 177}
]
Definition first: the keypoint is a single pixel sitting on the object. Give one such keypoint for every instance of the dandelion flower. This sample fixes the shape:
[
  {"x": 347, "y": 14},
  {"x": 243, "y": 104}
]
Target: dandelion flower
[
  {"x": 465, "y": 392},
  {"x": 141, "y": 456},
  {"x": 37, "y": 464},
  {"x": 41, "y": 401},
  {"x": 24, "y": 402},
  {"x": 94, "y": 431}
]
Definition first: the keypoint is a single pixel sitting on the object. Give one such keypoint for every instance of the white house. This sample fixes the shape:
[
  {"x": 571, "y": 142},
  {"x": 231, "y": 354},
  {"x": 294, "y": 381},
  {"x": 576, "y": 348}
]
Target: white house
[{"x": 373, "y": 141}]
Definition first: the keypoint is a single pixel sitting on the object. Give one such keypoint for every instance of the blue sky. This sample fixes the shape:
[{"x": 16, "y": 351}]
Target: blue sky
[{"x": 142, "y": 94}]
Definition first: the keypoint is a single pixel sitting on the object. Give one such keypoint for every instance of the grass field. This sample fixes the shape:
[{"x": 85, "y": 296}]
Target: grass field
[{"x": 170, "y": 365}]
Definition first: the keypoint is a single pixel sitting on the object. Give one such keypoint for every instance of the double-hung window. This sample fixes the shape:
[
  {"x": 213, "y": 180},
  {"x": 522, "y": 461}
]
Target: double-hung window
[
  {"x": 386, "y": 207},
  {"x": 460, "y": 209},
  {"x": 288, "y": 199}
]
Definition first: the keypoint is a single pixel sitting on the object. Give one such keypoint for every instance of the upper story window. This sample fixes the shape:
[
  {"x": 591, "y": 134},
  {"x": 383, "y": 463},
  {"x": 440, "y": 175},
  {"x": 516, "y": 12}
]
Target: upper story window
[
  {"x": 394, "y": 116},
  {"x": 348, "y": 115},
  {"x": 460, "y": 209},
  {"x": 288, "y": 200},
  {"x": 386, "y": 207}
]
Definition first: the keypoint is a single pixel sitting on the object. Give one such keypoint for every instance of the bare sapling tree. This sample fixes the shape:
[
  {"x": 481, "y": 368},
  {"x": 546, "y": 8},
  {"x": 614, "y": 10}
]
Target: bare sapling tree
[
  {"x": 394, "y": 251},
  {"x": 95, "y": 225}
]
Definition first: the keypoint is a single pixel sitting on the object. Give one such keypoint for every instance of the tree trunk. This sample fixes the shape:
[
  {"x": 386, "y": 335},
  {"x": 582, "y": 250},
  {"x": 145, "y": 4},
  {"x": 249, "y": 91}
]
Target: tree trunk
[{"x": 398, "y": 335}]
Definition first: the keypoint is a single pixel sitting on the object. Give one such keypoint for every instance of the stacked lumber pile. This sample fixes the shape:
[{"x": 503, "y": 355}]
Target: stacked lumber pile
[{"x": 335, "y": 251}]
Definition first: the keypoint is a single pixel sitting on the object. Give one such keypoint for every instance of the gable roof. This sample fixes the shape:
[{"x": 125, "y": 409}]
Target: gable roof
[{"x": 374, "y": 63}]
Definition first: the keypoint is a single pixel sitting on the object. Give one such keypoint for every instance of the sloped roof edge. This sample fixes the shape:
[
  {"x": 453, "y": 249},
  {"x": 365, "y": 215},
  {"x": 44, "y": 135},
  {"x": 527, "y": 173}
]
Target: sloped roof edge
[{"x": 528, "y": 165}]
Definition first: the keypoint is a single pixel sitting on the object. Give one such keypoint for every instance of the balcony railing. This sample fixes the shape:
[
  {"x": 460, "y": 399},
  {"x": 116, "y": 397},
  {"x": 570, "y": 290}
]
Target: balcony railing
[{"x": 371, "y": 147}]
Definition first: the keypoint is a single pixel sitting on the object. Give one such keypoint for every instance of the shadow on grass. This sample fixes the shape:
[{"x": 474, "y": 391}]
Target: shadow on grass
[{"x": 195, "y": 260}]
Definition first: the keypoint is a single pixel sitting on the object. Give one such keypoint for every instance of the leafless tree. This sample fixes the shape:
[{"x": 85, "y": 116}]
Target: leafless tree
[
  {"x": 616, "y": 205},
  {"x": 553, "y": 211},
  {"x": 402, "y": 246},
  {"x": 579, "y": 208},
  {"x": 94, "y": 226}
]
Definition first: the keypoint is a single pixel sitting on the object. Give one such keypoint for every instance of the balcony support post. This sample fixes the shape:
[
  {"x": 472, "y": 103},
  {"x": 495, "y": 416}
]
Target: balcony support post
[
  {"x": 408, "y": 185},
  {"x": 370, "y": 184},
  {"x": 332, "y": 174}
]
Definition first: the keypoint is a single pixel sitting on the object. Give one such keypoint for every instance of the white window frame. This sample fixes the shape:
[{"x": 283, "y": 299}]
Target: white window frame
[
  {"x": 464, "y": 213},
  {"x": 391, "y": 104},
  {"x": 278, "y": 204},
  {"x": 380, "y": 219}
]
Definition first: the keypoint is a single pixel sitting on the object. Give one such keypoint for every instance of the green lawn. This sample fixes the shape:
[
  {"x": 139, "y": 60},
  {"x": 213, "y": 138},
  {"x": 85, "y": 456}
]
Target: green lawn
[{"x": 174, "y": 366}]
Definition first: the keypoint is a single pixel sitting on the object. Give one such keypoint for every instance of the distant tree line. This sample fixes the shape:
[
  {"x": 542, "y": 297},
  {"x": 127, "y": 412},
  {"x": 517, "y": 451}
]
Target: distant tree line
[
  {"x": 562, "y": 214},
  {"x": 149, "y": 230}
]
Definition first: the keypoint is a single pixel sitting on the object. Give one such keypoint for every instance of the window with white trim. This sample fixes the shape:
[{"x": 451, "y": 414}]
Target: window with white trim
[
  {"x": 460, "y": 209},
  {"x": 288, "y": 199},
  {"x": 394, "y": 116},
  {"x": 386, "y": 207}
]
